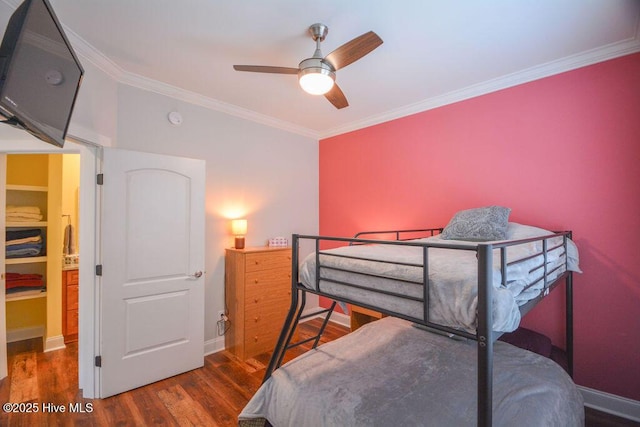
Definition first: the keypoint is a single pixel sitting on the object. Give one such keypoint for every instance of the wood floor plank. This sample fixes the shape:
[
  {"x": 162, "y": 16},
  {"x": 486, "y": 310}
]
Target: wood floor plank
[
  {"x": 185, "y": 410},
  {"x": 24, "y": 378}
]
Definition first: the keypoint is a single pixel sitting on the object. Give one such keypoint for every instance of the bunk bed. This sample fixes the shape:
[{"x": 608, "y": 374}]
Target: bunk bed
[{"x": 418, "y": 366}]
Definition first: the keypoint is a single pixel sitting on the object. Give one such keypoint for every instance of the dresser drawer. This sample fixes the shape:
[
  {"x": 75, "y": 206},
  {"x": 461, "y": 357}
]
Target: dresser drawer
[
  {"x": 259, "y": 340},
  {"x": 267, "y": 260},
  {"x": 266, "y": 312},
  {"x": 277, "y": 280},
  {"x": 280, "y": 296}
]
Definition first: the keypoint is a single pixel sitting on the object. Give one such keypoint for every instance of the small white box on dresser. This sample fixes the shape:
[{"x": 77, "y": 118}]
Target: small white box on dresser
[{"x": 278, "y": 242}]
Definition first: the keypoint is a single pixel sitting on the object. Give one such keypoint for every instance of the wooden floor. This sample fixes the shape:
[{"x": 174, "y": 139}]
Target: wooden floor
[{"x": 209, "y": 396}]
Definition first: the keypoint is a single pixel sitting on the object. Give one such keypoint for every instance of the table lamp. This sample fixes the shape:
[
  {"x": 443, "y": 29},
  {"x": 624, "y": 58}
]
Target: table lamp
[{"x": 239, "y": 229}]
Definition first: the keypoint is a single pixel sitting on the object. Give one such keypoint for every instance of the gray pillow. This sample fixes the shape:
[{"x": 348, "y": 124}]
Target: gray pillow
[{"x": 478, "y": 225}]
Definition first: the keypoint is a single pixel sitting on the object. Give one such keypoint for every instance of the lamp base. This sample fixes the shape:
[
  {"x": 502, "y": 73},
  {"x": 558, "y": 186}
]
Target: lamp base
[{"x": 239, "y": 243}]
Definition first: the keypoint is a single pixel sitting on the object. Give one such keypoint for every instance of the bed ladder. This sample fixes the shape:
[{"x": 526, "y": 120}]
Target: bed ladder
[{"x": 291, "y": 323}]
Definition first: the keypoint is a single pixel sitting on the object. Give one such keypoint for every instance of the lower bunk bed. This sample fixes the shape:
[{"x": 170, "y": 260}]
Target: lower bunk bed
[
  {"x": 391, "y": 373},
  {"x": 436, "y": 359}
]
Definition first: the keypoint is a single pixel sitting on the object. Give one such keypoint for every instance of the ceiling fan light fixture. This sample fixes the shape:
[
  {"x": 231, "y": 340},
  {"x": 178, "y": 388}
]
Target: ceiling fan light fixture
[
  {"x": 316, "y": 83},
  {"x": 315, "y": 77}
]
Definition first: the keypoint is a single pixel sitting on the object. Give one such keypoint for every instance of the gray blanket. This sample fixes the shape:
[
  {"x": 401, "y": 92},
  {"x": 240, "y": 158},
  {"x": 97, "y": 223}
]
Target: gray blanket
[
  {"x": 389, "y": 373},
  {"x": 453, "y": 277}
]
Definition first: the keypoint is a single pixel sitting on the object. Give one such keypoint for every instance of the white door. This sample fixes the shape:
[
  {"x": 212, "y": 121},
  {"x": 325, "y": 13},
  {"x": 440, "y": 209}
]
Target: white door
[{"x": 152, "y": 285}]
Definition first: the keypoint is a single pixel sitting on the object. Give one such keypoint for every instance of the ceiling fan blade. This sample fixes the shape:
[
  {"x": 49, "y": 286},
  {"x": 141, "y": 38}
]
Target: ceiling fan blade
[
  {"x": 336, "y": 97},
  {"x": 265, "y": 69},
  {"x": 353, "y": 50}
]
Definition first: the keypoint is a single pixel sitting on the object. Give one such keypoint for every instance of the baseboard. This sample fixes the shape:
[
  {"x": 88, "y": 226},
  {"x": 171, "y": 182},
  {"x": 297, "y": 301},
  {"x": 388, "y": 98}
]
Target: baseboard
[
  {"x": 611, "y": 404},
  {"x": 54, "y": 343},
  {"x": 22, "y": 334},
  {"x": 213, "y": 346}
]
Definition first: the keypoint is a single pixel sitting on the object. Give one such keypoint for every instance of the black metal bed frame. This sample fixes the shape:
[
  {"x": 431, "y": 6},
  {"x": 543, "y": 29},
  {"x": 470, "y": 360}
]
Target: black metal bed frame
[{"x": 484, "y": 336}]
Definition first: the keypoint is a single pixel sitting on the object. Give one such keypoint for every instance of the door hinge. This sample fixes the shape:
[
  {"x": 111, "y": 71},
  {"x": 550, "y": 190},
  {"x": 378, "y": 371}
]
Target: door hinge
[
  {"x": 99, "y": 270},
  {"x": 100, "y": 179},
  {"x": 99, "y": 361}
]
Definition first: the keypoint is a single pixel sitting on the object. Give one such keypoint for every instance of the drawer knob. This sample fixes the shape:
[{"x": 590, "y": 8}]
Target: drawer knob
[
  {"x": 257, "y": 318},
  {"x": 255, "y": 338},
  {"x": 255, "y": 280},
  {"x": 256, "y": 299},
  {"x": 257, "y": 262}
]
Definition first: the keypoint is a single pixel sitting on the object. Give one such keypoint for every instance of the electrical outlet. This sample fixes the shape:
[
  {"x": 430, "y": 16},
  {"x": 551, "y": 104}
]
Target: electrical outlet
[{"x": 221, "y": 315}]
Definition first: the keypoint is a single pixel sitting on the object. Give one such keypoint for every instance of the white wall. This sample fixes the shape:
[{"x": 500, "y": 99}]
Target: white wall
[
  {"x": 264, "y": 174},
  {"x": 95, "y": 110}
]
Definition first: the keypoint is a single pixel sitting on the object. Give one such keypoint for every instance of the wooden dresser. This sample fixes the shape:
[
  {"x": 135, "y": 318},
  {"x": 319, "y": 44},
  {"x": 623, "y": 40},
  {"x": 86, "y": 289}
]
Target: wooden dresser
[
  {"x": 257, "y": 295},
  {"x": 70, "y": 305}
]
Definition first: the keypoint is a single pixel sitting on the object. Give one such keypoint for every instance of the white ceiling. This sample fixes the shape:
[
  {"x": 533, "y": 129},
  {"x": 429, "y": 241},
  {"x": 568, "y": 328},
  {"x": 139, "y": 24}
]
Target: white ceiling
[{"x": 434, "y": 52}]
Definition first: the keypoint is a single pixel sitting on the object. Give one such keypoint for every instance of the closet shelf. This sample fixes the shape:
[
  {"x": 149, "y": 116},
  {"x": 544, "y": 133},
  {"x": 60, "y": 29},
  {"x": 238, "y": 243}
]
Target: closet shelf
[
  {"x": 23, "y": 224},
  {"x": 27, "y": 187},
  {"x": 18, "y": 297},
  {"x": 26, "y": 260}
]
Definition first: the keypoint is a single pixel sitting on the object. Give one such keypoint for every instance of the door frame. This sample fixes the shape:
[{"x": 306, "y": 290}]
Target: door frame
[{"x": 89, "y": 235}]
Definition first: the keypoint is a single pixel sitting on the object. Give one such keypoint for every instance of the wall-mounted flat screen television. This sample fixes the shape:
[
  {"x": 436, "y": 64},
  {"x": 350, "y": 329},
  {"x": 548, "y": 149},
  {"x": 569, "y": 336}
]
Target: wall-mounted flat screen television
[{"x": 40, "y": 73}]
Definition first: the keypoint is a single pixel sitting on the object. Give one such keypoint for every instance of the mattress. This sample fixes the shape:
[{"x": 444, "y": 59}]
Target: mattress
[
  {"x": 391, "y": 373},
  {"x": 390, "y": 277}
]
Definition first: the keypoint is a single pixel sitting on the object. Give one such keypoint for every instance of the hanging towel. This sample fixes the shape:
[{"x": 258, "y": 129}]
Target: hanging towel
[{"x": 69, "y": 240}]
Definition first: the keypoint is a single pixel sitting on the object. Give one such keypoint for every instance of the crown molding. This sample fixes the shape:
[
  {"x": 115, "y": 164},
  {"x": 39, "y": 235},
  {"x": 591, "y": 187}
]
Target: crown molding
[
  {"x": 569, "y": 63},
  {"x": 158, "y": 87}
]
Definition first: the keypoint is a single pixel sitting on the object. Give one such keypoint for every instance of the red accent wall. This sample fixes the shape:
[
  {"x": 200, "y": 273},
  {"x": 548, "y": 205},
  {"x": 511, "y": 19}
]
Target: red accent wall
[{"x": 563, "y": 152}]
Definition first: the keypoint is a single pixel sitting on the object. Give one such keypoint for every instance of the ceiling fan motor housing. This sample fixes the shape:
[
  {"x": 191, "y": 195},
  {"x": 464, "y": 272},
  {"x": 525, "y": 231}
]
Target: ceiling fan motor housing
[
  {"x": 318, "y": 31},
  {"x": 316, "y": 65}
]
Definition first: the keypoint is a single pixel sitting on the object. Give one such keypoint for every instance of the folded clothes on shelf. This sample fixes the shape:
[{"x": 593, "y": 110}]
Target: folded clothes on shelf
[
  {"x": 22, "y": 234},
  {"x": 24, "y": 250},
  {"x": 24, "y": 243},
  {"x": 23, "y": 213},
  {"x": 18, "y": 280}
]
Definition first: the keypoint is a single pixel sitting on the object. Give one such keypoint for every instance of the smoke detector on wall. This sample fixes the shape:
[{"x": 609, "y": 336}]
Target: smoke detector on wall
[{"x": 175, "y": 118}]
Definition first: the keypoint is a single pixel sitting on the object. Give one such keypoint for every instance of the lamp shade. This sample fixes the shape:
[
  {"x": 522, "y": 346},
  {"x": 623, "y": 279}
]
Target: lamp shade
[{"x": 239, "y": 227}]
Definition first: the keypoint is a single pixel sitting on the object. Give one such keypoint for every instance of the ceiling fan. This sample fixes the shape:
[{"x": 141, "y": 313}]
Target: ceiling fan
[{"x": 317, "y": 75}]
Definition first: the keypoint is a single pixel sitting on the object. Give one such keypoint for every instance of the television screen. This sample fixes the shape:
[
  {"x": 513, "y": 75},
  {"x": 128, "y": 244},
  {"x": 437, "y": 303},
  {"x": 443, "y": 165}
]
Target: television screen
[{"x": 41, "y": 74}]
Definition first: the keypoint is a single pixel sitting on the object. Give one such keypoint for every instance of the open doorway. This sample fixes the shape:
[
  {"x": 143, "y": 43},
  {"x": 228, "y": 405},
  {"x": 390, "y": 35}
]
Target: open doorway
[
  {"x": 15, "y": 142},
  {"x": 41, "y": 259}
]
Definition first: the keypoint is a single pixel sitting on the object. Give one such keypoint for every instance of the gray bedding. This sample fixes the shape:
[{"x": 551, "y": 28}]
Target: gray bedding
[
  {"x": 453, "y": 276},
  {"x": 389, "y": 373}
]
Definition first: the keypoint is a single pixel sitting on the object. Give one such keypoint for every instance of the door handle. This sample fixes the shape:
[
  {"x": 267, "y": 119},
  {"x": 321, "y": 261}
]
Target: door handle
[{"x": 196, "y": 275}]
